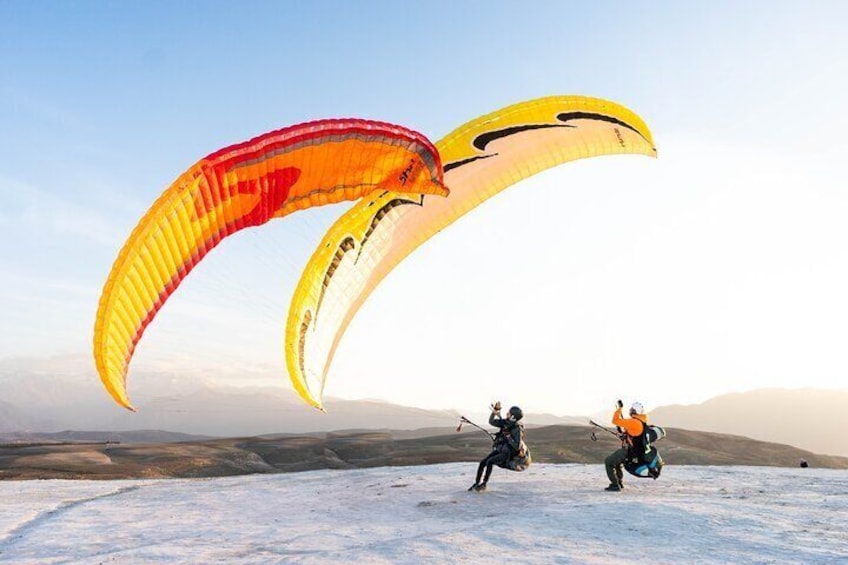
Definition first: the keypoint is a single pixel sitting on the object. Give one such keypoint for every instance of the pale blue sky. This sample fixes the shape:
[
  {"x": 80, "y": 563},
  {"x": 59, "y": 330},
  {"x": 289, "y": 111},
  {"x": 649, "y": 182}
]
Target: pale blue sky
[{"x": 720, "y": 266}]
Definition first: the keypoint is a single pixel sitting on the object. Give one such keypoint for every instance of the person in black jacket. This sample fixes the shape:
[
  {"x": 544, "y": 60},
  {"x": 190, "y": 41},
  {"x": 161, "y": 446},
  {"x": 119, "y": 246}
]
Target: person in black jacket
[{"x": 507, "y": 443}]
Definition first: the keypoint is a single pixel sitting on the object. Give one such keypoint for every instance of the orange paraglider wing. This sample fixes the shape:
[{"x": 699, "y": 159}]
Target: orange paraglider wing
[{"x": 241, "y": 186}]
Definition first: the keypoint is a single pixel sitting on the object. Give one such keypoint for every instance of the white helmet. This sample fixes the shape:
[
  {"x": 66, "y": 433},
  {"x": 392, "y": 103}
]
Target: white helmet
[{"x": 637, "y": 408}]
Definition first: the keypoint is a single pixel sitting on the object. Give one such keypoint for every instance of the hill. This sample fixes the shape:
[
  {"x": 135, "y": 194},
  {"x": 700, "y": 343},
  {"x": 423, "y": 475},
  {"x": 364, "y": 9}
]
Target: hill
[{"x": 348, "y": 450}]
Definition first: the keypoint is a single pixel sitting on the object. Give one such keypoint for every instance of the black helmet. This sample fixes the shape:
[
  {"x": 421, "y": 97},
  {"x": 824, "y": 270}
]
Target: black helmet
[{"x": 515, "y": 413}]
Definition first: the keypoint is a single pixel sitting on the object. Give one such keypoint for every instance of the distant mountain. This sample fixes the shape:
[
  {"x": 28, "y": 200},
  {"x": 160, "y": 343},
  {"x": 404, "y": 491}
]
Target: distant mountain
[
  {"x": 65, "y": 394},
  {"x": 815, "y": 420},
  {"x": 221, "y": 411},
  {"x": 231, "y": 412}
]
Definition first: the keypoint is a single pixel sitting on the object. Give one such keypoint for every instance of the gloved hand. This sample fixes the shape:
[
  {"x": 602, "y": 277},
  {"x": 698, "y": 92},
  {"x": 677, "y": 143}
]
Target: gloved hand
[
  {"x": 496, "y": 407},
  {"x": 619, "y": 404}
]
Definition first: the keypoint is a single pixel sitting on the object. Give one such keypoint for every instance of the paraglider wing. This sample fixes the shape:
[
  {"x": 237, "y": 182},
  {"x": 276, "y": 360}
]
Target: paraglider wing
[
  {"x": 241, "y": 186},
  {"x": 481, "y": 158}
]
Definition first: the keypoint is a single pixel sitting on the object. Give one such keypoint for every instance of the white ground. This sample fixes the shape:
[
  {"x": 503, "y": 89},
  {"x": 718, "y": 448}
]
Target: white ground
[{"x": 548, "y": 514}]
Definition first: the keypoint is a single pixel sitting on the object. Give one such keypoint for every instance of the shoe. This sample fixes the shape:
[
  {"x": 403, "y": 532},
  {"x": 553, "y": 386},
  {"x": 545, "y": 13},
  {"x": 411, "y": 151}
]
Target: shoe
[
  {"x": 473, "y": 487},
  {"x": 613, "y": 487},
  {"x": 481, "y": 487}
]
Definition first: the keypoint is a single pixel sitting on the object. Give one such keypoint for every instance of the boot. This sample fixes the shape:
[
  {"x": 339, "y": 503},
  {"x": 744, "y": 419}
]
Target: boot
[{"x": 614, "y": 487}]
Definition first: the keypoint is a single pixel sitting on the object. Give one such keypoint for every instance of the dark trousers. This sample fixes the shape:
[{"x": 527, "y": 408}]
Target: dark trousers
[
  {"x": 613, "y": 464},
  {"x": 499, "y": 456}
]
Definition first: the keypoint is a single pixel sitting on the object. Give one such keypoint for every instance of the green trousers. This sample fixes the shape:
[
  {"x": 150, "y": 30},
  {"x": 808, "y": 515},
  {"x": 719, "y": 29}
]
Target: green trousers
[{"x": 613, "y": 464}]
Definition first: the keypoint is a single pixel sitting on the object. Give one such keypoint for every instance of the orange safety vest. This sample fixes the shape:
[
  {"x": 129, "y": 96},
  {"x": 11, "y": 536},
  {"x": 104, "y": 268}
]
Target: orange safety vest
[{"x": 633, "y": 426}]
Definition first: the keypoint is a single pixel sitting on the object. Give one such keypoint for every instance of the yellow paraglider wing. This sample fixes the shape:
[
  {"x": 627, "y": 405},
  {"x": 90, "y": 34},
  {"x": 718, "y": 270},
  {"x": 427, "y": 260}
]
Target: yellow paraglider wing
[
  {"x": 481, "y": 158},
  {"x": 241, "y": 186}
]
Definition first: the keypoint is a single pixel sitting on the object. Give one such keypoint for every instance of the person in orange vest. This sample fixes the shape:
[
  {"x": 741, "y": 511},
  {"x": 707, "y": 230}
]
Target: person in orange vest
[{"x": 630, "y": 428}]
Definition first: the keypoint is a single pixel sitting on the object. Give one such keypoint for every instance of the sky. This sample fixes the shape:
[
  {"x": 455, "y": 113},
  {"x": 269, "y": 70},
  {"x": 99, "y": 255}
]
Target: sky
[
  {"x": 719, "y": 267},
  {"x": 547, "y": 514}
]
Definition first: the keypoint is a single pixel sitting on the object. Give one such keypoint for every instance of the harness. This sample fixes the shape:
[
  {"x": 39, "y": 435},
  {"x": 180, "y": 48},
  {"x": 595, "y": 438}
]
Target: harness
[
  {"x": 643, "y": 459},
  {"x": 519, "y": 460},
  {"x": 639, "y": 446}
]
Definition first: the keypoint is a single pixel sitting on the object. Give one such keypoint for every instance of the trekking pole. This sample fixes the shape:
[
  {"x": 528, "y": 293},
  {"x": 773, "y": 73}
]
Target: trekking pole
[
  {"x": 464, "y": 420},
  {"x": 594, "y": 438}
]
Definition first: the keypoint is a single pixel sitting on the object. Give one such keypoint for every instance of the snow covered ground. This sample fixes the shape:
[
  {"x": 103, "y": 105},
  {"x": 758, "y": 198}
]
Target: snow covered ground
[{"x": 548, "y": 514}]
